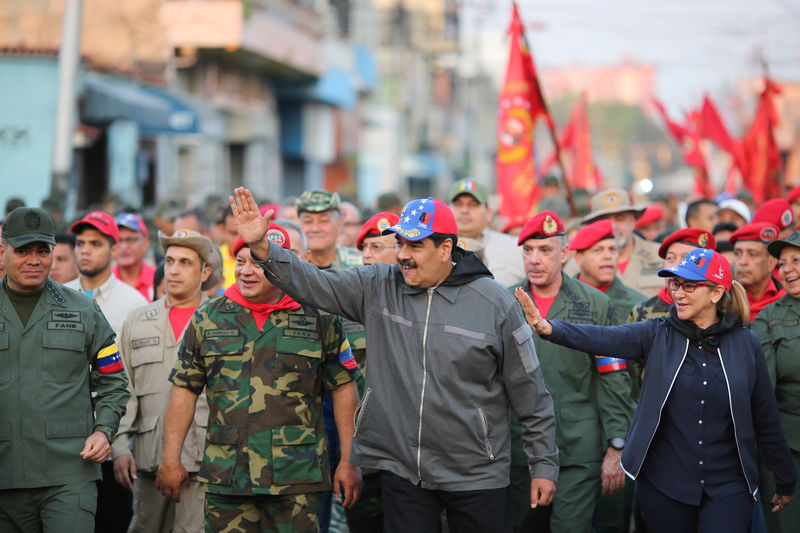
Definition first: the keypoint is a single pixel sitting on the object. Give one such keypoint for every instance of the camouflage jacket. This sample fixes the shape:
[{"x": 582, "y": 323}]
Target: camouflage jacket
[
  {"x": 653, "y": 307},
  {"x": 266, "y": 433}
]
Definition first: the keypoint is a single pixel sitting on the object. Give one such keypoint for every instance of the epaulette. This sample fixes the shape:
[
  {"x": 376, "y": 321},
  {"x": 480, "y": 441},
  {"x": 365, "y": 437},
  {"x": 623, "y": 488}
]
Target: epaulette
[{"x": 55, "y": 293}]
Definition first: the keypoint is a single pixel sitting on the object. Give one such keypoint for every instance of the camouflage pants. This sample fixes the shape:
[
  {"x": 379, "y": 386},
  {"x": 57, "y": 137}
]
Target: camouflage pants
[{"x": 288, "y": 513}]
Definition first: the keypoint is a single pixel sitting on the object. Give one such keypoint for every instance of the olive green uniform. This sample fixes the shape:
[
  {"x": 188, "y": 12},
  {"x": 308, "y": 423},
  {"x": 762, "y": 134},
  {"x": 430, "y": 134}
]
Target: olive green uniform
[
  {"x": 589, "y": 407},
  {"x": 266, "y": 435},
  {"x": 48, "y": 371},
  {"x": 778, "y": 328},
  {"x": 623, "y": 300}
]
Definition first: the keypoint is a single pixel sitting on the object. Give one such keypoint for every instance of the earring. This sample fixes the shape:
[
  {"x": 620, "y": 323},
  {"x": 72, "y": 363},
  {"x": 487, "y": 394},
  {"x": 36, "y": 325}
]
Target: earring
[{"x": 714, "y": 301}]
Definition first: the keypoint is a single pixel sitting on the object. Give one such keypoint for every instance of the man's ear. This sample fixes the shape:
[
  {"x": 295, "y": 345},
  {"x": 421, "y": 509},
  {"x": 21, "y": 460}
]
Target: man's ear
[
  {"x": 206, "y": 273},
  {"x": 772, "y": 262},
  {"x": 446, "y": 249}
]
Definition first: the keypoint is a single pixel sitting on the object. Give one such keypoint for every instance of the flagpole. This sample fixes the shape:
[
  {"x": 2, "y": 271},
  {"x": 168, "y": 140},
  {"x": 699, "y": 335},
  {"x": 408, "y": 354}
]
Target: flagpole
[{"x": 552, "y": 129}]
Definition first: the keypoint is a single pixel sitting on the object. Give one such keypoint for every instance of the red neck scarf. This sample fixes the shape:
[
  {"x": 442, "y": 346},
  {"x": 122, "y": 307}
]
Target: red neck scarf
[
  {"x": 665, "y": 295},
  {"x": 260, "y": 312}
]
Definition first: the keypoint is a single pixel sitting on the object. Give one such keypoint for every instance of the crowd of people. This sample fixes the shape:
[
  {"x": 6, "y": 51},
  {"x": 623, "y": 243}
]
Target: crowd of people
[{"x": 420, "y": 367}]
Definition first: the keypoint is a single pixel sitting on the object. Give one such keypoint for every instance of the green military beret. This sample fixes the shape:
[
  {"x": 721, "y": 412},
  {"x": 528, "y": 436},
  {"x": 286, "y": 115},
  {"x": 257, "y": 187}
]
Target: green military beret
[{"x": 317, "y": 201}]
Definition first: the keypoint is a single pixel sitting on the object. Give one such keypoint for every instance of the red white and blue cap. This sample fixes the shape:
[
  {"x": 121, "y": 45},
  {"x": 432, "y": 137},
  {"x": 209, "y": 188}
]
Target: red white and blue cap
[
  {"x": 702, "y": 265},
  {"x": 422, "y": 218},
  {"x": 132, "y": 221}
]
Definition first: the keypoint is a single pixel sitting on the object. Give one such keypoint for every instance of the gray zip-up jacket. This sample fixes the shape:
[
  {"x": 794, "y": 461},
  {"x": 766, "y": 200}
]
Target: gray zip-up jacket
[{"x": 445, "y": 365}]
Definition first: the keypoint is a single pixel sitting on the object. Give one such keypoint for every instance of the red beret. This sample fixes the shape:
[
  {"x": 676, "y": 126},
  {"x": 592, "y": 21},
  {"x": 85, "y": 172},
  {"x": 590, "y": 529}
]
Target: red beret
[
  {"x": 513, "y": 223},
  {"x": 275, "y": 233},
  {"x": 756, "y": 231},
  {"x": 699, "y": 238},
  {"x": 793, "y": 195},
  {"x": 590, "y": 235},
  {"x": 374, "y": 226},
  {"x": 776, "y": 211},
  {"x": 542, "y": 226},
  {"x": 653, "y": 213}
]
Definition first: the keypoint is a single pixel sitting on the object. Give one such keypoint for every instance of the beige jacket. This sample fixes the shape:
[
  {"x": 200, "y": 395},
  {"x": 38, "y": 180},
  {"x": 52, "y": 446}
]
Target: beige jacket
[
  {"x": 149, "y": 350},
  {"x": 500, "y": 253}
]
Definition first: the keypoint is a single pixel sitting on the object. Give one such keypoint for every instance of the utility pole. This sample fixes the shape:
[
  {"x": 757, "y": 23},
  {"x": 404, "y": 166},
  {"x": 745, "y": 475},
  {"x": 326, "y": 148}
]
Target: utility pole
[{"x": 68, "y": 59}]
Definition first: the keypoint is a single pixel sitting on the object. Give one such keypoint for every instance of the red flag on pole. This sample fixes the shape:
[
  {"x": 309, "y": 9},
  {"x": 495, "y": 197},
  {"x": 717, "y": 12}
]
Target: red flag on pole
[
  {"x": 576, "y": 139},
  {"x": 760, "y": 158},
  {"x": 713, "y": 128},
  {"x": 688, "y": 138},
  {"x": 521, "y": 105}
]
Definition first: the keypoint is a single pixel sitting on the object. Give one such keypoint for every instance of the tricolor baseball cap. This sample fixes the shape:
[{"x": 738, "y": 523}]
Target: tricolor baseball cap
[
  {"x": 702, "y": 265},
  {"x": 102, "y": 222},
  {"x": 422, "y": 218},
  {"x": 131, "y": 221},
  {"x": 275, "y": 234},
  {"x": 470, "y": 187}
]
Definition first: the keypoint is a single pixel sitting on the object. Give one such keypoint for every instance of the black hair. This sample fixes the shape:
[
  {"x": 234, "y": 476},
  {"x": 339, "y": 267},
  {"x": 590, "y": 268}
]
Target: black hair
[
  {"x": 694, "y": 207},
  {"x": 65, "y": 238},
  {"x": 724, "y": 226},
  {"x": 439, "y": 238},
  {"x": 227, "y": 212},
  {"x": 158, "y": 277},
  {"x": 200, "y": 215}
]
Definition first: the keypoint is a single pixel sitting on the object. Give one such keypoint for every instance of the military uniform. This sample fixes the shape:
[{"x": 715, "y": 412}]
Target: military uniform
[
  {"x": 266, "y": 435},
  {"x": 48, "y": 370},
  {"x": 589, "y": 406},
  {"x": 149, "y": 351},
  {"x": 623, "y": 299}
]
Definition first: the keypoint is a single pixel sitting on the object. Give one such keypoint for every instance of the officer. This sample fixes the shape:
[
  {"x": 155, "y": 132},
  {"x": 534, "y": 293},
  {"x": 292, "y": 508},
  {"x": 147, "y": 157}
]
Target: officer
[
  {"x": 753, "y": 266},
  {"x": 597, "y": 255},
  {"x": 592, "y": 396},
  {"x": 62, "y": 387},
  {"x": 149, "y": 346},
  {"x": 265, "y": 361}
]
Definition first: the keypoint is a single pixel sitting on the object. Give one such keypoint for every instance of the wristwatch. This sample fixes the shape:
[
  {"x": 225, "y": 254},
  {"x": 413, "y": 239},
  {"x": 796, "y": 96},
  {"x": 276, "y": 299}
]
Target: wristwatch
[{"x": 617, "y": 443}]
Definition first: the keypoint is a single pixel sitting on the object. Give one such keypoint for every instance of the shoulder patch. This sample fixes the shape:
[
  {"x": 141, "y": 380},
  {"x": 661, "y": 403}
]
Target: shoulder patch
[
  {"x": 145, "y": 341},
  {"x": 779, "y": 322},
  {"x": 151, "y": 314},
  {"x": 302, "y": 322}
]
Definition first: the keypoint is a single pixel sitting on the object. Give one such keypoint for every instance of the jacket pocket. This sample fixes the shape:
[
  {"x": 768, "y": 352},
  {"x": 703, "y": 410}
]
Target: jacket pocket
[
  {"x": 297, "y": 365},
  {"x": 360, "y": 410},
  {"x": 219, "y": 458},
  {"x": 63, "y": 356},
  {"x": 65, "y": 429},
  {"x": 295, "y": 455},
  {"x": 484, "y": 423}
]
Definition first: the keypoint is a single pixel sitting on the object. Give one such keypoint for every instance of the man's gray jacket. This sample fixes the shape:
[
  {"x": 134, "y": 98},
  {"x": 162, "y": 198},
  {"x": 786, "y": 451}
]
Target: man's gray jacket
[{"x": 445, "y": 365}]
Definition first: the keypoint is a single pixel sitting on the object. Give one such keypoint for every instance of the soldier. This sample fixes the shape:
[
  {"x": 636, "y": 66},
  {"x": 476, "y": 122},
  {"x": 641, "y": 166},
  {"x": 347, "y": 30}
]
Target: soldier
[
  {"x": 597, "y": 256},
  {"x": 591, "y": 395},
  {"x": 376, "y": 247},
  {"x": 149, "y": 345},
  {"x": 62, "y": 387},
  {"x": 638, "y": 258},
  {"x": 453, "y": 356},
  {"x": 264, "y": 361},
  {"x": 469, "y": 201},
  {"x": 753, "y": 266}
]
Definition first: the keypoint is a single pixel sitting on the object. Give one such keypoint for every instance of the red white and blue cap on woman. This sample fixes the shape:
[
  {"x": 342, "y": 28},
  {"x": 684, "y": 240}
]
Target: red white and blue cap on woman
[
  {"x": 702, "y": 265},
  {"x": 422, "y": 218}
]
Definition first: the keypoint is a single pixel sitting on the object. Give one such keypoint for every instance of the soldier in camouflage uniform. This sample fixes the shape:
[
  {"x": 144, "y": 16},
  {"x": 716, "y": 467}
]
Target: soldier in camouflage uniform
[{"x": 265, "y": 362}]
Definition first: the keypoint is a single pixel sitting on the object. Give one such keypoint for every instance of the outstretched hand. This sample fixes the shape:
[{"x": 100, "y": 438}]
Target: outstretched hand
[
  {"x": 250, "y": 224},
  {"x": 532, "y": 315}
]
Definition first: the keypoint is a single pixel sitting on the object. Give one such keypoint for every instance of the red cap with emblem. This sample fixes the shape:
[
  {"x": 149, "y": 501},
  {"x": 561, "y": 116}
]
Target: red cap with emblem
[
  {"x": 590, "y": 235},
  {"x": 776, "y": 211},
  {"x": 102, "y": 222},
  {"x": 696, "y": 237},
  {"x": 757, "y": 231},
  {"x": 374, "y": 226},
  {"x": 275, "y": 234},
  {"x": 542, "y": 226}
]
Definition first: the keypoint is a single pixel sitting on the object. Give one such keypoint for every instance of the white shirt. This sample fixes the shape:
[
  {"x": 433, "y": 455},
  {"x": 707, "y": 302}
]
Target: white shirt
[{"x": 116, "y": 300}]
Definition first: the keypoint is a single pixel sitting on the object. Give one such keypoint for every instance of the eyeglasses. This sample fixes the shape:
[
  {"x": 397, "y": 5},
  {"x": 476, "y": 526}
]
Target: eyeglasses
[
  {"x": 373, "y": 247},
  {"x": 130, "y": 240},
  {"x": 688, "y": 286}
]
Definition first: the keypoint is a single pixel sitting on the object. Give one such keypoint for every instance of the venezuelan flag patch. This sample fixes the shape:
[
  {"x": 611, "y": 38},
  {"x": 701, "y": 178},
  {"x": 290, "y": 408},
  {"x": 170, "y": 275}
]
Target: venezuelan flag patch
[
  {"x": 109, "y": 360},
  {"x": 346, "y": 356},
  {"x": 609, "y": 364}
]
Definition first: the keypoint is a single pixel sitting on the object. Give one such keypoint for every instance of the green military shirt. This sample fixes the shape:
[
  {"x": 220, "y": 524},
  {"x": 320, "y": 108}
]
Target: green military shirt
[
  {"x": 623, "y": 299},
  {"x": 266, "y": 433},
  {"x": 48, "y": 371},
  {"x": 589, "y": 406},
  {"x": 778, "y": 328}
]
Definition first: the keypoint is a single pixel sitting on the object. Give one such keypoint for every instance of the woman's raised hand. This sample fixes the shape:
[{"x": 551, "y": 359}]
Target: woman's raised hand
[{"x": 535, "y": 320}]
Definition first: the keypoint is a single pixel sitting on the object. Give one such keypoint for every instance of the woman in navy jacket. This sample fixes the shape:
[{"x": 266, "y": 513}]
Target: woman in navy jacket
[{"x": 706, "y": 401}]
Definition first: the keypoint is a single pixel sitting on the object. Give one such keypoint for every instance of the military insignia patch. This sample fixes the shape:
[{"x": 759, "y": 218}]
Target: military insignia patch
[
  {"x": 702, "y": 240},
  {"x": 768, "y": 234},
  {"x": 74, "y": 316},
  {"x": 549, "y": 226},
  {"x": 276, "y": 237},
  {"x": 32, "y": 220},
  {"x": 612, "y": 199},
  {"x": 383, "y": 224},
  {"x": 786, "y": 217}
]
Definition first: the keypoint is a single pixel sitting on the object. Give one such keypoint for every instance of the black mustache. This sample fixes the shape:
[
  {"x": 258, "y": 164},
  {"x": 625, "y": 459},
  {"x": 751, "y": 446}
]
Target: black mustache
[{"x": 408, "y": 263}]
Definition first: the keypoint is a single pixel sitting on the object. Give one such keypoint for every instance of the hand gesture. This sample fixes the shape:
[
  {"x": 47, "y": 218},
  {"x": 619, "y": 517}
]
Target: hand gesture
[
  {"x": 535, "y": 320},
  {"x": 251, "y": 225}
]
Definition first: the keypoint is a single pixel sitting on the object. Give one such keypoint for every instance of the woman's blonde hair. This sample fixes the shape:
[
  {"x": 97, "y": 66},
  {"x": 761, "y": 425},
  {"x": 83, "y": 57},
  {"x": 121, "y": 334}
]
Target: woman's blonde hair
[{"x": 735, "y": 301}]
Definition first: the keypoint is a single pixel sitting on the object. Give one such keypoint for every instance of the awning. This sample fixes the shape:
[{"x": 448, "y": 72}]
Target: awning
[{"x": 153, "y": 109}]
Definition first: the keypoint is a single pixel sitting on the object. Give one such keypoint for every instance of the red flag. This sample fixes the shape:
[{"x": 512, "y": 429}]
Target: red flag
[
  {"x": 688, "y": 138},
  {"x": 760, "y": 158},
  {"x": 521, "y": 105},
  {"x": 576, "y": 139},
  {"x": 712, "y": 127}
]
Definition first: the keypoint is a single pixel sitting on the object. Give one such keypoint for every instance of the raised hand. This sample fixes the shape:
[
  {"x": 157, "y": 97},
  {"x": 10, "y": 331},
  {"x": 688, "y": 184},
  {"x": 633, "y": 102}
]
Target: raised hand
[
  {"x": 252, "y": 227},
  {"x": 535, "y": 320}
]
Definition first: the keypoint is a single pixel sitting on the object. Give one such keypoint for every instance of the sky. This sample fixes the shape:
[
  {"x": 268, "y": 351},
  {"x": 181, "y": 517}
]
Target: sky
[{"x": 697, "y": 46}]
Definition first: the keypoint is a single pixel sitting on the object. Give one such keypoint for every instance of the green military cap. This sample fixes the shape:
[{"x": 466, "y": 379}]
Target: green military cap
[
  {"x": 776, "y": 247},
  {"x": 317, "y": 201},
  {"x": 470, "y": 187},
  {"x": 25, "y": 225}
]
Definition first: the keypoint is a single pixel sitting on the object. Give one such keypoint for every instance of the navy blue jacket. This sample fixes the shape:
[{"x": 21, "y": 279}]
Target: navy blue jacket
[{"x": 663, "y": 349}]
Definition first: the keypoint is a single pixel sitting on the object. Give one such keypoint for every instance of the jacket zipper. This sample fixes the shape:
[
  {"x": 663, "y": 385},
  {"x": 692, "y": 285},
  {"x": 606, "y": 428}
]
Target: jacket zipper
[
  {"x": 485, "y": 427},
  {"x": 735, "y": 433},
  {"x": 660, "y": 410},
  {"x": 424, "y": 381},
  {"x": 360, "y": 411}
]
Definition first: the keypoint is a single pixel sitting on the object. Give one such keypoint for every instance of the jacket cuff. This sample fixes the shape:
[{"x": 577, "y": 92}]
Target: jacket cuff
[
  {"x": 544, "y": 471},
  {"x": 107, "y": 431},
  {"x": 120, "y": 446}
]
